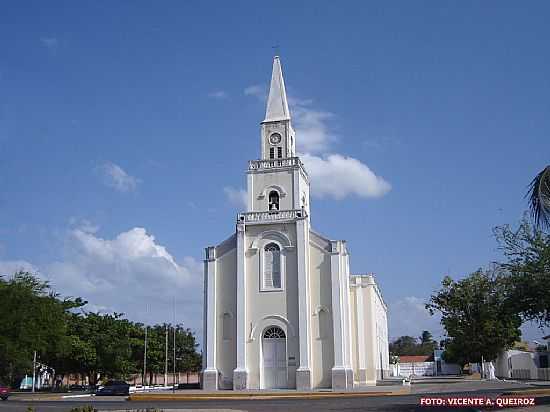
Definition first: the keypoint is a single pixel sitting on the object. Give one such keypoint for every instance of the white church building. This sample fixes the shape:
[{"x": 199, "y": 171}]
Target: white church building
[{"x": 282, "y": 309}]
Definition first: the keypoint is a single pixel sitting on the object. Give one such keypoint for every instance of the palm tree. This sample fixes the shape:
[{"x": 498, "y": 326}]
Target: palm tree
[{"x": 539, "y": 198}]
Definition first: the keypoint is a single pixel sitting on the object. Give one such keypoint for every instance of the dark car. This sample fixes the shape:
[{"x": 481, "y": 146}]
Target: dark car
[
  {"x": 4, "y": 392},
  {"x": 113, "y": 388},
  {"x": 77, "y": 388}
]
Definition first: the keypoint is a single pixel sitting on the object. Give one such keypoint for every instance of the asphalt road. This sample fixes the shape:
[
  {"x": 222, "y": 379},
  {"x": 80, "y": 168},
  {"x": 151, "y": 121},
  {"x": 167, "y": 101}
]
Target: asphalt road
[{"x": 403, "y": 403}]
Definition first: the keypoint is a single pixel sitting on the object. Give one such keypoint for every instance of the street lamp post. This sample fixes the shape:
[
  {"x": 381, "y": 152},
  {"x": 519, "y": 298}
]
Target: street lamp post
[
  {"x": 166, "y": 358},
  {"x": 144, "y": 381},
  {"x": 33, "y": 370}
]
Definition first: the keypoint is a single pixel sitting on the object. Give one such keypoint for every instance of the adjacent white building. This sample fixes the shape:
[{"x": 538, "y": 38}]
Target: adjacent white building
[{"x": 281, "y": 307}]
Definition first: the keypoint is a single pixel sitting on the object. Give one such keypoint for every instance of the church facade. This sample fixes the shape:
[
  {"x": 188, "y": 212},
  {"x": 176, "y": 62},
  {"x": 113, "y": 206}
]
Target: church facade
[{"x": 281, "y": 307}]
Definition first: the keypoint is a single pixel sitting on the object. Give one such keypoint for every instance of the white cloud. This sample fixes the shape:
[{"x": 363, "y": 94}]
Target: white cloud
[
  {"x": 408, "y": 316},
  {"x": 218, "y": 94},
  {"x": 117, "y": 178},
  {"x": 339, "y": 176},
  {"x": 312, "y": 129},
  {"x": 126, "y": 274},
  {"x": 258, "y": 91},
  {"x": 9, "y": 267},
  {"x": 237, "y": 197}
]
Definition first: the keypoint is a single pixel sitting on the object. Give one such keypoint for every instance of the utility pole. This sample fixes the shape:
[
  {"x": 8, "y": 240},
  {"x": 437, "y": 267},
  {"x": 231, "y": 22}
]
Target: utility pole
[
  {"x": 33, "y": 370},
  {"x": 166, "y": 358},
  {"x": 174, "y": 365},
  {"x": 145, "y": 359}
]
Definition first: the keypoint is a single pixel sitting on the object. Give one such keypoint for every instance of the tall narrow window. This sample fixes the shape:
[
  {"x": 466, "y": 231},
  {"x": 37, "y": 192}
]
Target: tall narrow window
[
  {"x": 272, "y": 153},
  {"x": 273, "y": 200},
  {"x": 279, "y": 152},
  {"x": 272, "y": 267},
  {"x": 324, "y": 323},
  {"x": 226, "y": 326}
]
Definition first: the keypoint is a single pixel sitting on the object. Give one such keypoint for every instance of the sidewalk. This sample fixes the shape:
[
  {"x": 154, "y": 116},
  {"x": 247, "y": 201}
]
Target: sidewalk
[{"x": 257, "y": 395}]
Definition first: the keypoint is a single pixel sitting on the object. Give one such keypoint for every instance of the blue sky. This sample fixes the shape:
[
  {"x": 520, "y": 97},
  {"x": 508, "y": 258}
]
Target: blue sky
[{"x": 125, "y": 128}]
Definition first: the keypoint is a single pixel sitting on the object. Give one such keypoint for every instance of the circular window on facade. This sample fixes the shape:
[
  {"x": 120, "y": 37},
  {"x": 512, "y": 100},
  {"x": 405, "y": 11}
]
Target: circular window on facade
[{"x": 275, "y": 138}]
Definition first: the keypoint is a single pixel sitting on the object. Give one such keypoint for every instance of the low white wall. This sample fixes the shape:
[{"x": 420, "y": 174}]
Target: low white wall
[
  {"x": 415, "y": 368},
  {"x": 516, "y": 364}
]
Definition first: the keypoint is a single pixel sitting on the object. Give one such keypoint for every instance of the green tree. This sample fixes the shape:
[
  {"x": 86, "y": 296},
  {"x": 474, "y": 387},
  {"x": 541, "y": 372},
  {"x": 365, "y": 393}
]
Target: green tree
[
  {"x": 426, "y": 338},
  {"x": 34, "y": 318},
  {"x": 427, "y": 343},
  {"x": 539, "y": 198},
  {"x": 526, "y": 272},
  {"x": 188, "y": 359},
  {"x": 409, "y": 345},
  {"x": 103, "y": 345},
  {"x": 404, "y": 345},
  {"x": 477, "y": 317}
]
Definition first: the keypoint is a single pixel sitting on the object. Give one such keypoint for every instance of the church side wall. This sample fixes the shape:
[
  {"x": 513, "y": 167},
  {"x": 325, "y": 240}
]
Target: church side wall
[
  {"x": 377, "y": 324},
  {"x": 322, "y": 336},
  {"x": 271, "y": 308},
  {"x": 383, "y": 361},
  {"x": 226, "y": 333},
  {"x": 354, "y": 330}
]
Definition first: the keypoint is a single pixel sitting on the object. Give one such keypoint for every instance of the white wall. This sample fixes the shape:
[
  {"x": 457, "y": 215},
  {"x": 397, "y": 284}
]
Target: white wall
[
  {"x": 226, "y": 349},
  {"x": 516, "y": 364},
  {"x": 279, "y": 308},
  {"x": 322, "y": 336}
]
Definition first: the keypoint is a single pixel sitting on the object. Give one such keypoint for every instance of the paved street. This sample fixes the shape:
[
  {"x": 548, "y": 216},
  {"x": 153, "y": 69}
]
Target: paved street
[{"x": 401, "y": 403}]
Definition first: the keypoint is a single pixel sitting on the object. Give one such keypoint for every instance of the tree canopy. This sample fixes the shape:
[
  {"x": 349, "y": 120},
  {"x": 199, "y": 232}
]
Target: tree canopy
[
  {"x": 409, "y": 345},
  {"x": 70, "y": 340},
  {"x": 526, "y": 271},
  {"x": 477, "y": 317}
]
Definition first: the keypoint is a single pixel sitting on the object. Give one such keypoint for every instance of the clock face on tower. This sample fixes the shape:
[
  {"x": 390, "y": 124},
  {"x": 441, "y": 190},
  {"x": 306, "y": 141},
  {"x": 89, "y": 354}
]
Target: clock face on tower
[{"x": 275, "y": 138}]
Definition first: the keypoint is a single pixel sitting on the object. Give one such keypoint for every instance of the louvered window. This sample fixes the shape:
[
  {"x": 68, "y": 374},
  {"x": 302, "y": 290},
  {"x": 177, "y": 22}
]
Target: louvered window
[{"x": 272, "y": 267}]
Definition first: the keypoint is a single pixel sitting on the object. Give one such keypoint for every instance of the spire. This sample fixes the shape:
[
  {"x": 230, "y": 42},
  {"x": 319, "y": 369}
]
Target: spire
[{"x": 277, "y": 105}]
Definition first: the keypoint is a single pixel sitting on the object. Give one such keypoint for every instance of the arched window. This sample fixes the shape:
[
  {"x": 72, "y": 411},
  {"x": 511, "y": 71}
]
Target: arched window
[
  {"x": 273, "y": 200},
  {"x": 274, "y": 332},
  {"x": 272, "y": 267},
  {"x": 325, "y": 326}
]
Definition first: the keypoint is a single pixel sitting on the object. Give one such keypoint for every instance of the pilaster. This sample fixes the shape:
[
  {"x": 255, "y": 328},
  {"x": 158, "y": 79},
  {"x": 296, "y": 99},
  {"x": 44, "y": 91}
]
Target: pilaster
[
  {"x": 346, "y": 312},
  {"x": 210, "y": 373},
  {"x": 361, "y": 344},
  {"x": 240, "y": 374},
  {"x": 340, "y": 374},
  {"x": 303, "y": 373},
  {"x": 371, "y": 337}
]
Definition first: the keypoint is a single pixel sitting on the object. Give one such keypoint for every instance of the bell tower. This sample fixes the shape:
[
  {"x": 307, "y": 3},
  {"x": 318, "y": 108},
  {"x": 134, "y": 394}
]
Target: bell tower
[
  {"x": 277, "y": 133},
  {"x": 277, "y": 181}
]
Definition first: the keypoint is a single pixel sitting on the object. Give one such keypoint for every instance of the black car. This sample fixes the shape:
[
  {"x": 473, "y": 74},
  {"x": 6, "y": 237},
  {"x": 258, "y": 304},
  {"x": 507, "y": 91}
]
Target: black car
[
  {"x": 113, "y": 388},
  {"x": 77, "y": 388}
]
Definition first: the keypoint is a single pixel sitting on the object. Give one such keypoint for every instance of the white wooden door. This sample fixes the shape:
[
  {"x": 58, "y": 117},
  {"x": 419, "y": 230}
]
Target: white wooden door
[{"x": 274, "y": 361}]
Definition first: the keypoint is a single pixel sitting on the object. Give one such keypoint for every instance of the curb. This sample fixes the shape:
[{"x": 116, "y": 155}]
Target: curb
[
  {"x": 258, "y": 396},
  {"x": 527, "y": 392}
]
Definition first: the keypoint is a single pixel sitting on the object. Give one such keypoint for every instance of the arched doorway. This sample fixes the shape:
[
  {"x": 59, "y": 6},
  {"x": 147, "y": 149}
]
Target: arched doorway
[{"x": 274, "y": 368}]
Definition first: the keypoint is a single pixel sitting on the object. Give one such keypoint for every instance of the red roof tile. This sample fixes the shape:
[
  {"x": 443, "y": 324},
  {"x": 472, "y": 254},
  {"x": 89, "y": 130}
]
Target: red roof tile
[{"x": 414, "y": 358}]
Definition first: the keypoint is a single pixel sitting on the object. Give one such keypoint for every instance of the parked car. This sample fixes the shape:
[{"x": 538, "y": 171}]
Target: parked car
[
  {"x": 113, "y": 388},
  {"x": 4, "y": 392},
  {"x": 77, "y": 388}
]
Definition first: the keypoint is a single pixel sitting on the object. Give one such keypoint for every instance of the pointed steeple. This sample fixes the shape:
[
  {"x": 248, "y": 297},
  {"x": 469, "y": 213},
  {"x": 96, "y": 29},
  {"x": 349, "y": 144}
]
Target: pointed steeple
[{"x": 277, "y": 105}]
